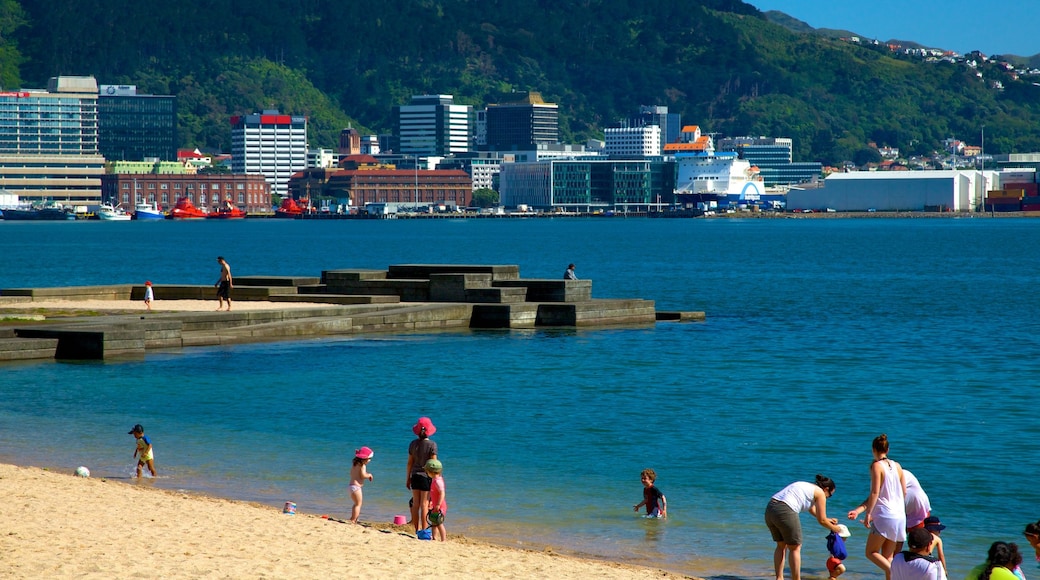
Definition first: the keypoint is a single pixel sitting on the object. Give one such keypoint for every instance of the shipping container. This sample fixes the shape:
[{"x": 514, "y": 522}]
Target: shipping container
[
  {"x": 1003, "y": 207},
  {"x": 1031, "y": 207},
  {"x": 1003, "y": 200}
]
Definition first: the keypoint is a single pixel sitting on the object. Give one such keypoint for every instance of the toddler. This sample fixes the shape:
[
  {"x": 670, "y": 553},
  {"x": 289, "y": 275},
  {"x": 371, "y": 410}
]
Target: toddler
[
  {"x": 143, "y": 450},
  {"x": 836, "y": 547},
  {"x": 438, "y": 500},
  {"x": 358, "y": 475}
]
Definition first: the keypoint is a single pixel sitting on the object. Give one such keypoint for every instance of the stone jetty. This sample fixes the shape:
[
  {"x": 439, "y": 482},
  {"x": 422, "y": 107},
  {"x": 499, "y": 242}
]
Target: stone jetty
[{"x": 402, "y": 298}]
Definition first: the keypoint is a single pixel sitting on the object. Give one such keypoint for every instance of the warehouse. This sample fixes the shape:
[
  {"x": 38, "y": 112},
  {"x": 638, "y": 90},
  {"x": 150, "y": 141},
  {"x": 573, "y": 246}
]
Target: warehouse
[{"x": 956, "y": 190}]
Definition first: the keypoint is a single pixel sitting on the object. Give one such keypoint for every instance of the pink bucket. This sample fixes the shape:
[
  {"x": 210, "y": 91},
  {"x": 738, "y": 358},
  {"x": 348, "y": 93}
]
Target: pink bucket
[{"x": 400, "y": 520}]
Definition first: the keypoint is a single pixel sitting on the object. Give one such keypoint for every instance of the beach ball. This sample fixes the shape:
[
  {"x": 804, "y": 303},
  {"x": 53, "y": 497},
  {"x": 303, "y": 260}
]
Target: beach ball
[{"x": 82, "y": 471}]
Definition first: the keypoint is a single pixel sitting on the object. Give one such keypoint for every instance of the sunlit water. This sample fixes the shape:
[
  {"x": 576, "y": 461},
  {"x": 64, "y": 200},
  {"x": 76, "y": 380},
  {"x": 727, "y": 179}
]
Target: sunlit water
[{"x": 820, "y": 335}]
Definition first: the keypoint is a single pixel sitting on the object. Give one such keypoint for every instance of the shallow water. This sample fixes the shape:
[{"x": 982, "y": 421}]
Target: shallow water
[{"x": 820, "y": 335}]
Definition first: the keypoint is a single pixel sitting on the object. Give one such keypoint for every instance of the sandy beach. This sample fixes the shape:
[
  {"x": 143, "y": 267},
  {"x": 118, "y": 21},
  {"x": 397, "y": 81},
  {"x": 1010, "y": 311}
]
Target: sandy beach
[{"x": 57, "y": 525}]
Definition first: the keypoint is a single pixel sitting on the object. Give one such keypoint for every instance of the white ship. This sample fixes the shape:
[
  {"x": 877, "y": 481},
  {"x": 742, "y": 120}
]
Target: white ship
[{"x": 702, "y": 171}]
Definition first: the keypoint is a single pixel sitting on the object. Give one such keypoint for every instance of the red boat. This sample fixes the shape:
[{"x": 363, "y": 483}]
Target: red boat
[
  {"x": 228, "y": 211},
  {"x": 290, "y": 209},
  {"x": 185, "y": 210}
]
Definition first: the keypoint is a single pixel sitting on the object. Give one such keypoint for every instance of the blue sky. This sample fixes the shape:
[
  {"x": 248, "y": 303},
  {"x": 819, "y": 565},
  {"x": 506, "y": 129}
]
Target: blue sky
[{"x": 1010, "y": 27}]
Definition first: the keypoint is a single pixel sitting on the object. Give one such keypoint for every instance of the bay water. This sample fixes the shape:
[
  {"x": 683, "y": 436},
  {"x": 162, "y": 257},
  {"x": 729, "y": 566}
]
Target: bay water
[{"x": 820, "y": 335}]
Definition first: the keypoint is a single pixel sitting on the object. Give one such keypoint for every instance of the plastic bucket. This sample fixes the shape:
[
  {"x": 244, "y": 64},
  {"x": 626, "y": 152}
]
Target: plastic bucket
[
  {"x": 290, "y": 508},
  {"x": 400, "y": 520}
]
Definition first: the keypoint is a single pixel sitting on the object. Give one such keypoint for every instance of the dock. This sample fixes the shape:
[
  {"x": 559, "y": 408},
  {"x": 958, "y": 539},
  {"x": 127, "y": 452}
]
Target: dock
[{"x": 403, "y": 298}]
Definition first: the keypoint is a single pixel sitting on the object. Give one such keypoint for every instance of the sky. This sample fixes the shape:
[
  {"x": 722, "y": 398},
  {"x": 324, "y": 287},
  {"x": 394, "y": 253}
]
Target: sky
[{"x": 1009, "y": 27}]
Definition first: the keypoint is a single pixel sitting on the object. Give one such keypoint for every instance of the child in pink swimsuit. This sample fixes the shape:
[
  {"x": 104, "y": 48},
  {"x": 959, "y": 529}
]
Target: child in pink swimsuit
[
  {"x": 358, "y": 475},
  {"x": 438, "y": 502}
]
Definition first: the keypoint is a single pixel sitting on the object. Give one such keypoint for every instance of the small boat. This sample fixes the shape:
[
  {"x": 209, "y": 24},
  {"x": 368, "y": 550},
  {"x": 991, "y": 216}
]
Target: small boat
[
  {"x": 185, "y": 210},
  {"x": 148, "y": 211},
  {"x": 111, "y": 213},
  {"x": 228, "y": 211},
  {"x": 290, "y": 209}
]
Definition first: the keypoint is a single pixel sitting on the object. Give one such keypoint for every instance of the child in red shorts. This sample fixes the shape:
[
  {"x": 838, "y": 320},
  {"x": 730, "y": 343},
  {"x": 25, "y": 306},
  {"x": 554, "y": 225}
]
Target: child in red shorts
[{"x": 836, "y": 547}]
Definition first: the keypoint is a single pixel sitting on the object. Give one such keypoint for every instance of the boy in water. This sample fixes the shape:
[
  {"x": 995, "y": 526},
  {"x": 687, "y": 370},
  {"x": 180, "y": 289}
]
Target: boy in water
[
  {"x": 143, "y": 451},
  {"x": 653, "y": 499}
]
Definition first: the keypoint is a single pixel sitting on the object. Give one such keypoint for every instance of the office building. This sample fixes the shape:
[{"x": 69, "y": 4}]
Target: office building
[
  {"x": 588, "y": 185},
  {"x": 632, "y": 142},
  {"x": 49, "y": 142},
  {"x": 773, "y": 157},
  {"x": 432, "y": 125},
  {"x": 271, "y": 144},
  {"x": 135, "y": 127},
  {"x": 669, "y": 123},
  {"x": 522, "y": 123}
]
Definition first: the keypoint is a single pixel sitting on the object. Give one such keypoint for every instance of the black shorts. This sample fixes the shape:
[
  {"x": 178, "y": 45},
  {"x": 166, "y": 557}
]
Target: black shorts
[
  {"x": 224, "y": 290},
  {"x": 420, "y": 482}
]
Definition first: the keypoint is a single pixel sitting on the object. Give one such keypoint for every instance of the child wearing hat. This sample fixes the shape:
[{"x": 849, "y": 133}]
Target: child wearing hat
[
  {"x": 836, "y": 548},
  {"x": 933, "y": 525},
  {"x": 148, "y": 294},
  {"x": 358, "y": 474},
  {"x": 438, "y": 501},
  {"x": 143, "y": 450}
]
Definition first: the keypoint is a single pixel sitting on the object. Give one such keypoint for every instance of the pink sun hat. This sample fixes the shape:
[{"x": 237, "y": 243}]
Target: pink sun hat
[
  {"x": 364, "y": 453},
  {"x": 424, "y": 424}
]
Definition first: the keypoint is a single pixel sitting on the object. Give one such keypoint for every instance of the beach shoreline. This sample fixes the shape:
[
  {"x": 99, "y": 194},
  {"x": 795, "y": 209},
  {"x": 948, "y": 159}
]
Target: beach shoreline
[{"x": 60, "y": 525}]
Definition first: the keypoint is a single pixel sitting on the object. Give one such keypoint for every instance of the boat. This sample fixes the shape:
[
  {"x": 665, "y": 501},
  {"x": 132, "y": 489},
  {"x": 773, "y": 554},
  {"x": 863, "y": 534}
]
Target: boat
[
  {"x": 108, "y": 212},
  {"x": 185, "y": 210},
  {"x": 704, "y": 175},
  {"x": 50, "y": 211},
  {"x": 290, "y": 209},
  {"x": 228, "y": 211},
  {"x": 148, "y": 211}
]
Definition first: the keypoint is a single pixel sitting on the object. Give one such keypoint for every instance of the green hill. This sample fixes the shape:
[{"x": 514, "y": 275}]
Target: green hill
[{"x": 720, "y": 63}]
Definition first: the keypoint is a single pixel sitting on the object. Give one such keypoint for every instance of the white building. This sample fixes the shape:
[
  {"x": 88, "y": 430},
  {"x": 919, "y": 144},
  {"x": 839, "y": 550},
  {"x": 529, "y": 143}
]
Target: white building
[
  {"x": 632, "y": 142},
  {"x": 322, "y": 158},
  {"x": 950, "y": 190},
  {"x": 271, "y": 144},
  {"x": 432, "y": 125}
]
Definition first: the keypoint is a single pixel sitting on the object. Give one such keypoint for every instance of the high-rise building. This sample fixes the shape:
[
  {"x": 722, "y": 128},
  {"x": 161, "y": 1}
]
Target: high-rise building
[
  {"x": 432, "y": 125},
  {"x": 669, "y": 123},
  {"x": 135, "y": 127},
  {"x": 271, "y": 144},
  {"x": 522, "y": 124},
  {"x": 49, "y": 142}
]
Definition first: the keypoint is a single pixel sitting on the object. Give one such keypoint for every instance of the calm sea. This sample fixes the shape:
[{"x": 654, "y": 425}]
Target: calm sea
[{"x": 821, "y": 334}]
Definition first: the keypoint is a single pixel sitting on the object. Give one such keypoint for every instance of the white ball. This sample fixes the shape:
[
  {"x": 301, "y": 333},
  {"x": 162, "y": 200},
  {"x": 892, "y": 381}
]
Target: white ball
[{"x": 82, "y": 471}]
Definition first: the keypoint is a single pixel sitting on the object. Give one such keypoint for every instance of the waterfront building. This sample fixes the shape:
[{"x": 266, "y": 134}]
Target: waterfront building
[
  {"x": 774, "y": 158},
  {"x": 364, "y": 179},
  {"x": 523, "y": 122},
  {"x": 945, "y": 190},
  {"x": 49, "y": 142},
  {"x": 432, "y": 125},
  {"x": 250, "y": 193},
  {"x": 135, "y": 127},
  {"x": 270, "y": 144},
  {"x": 587, "y": 185},
  {"x": 623, "y": 142}
]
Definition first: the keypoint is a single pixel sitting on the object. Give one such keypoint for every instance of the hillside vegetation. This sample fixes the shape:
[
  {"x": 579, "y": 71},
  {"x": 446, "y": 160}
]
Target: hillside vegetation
[{"x": 719, "y": 63}]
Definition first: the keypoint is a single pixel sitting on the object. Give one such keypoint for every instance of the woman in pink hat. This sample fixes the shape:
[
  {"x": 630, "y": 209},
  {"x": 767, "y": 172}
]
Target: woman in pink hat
[{"x": 420, "y": 451}]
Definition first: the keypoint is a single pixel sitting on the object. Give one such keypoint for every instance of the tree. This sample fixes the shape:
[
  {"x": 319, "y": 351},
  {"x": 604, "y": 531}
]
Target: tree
[
  {"x": 865, "y": 156},
  {"x": 485, "y": 197}
]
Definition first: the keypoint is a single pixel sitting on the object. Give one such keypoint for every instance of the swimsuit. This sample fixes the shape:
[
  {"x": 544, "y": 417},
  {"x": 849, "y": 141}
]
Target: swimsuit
[{"x": 355, "y": 487}]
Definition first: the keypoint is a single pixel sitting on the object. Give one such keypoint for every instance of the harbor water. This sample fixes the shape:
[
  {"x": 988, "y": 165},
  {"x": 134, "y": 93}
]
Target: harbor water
[{"x": 820, "y": 335}]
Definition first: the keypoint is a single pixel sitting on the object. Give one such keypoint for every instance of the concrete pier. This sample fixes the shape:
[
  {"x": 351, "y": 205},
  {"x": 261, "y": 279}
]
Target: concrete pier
[{"x": 403, "y": 298}]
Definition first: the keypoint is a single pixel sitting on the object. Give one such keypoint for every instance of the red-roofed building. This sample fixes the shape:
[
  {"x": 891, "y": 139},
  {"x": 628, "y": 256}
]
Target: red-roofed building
[{"x": 405, "y": 186}]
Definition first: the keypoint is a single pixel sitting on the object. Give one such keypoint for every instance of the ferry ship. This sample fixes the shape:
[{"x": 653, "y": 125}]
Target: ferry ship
[{"x": 704, "y": 175}]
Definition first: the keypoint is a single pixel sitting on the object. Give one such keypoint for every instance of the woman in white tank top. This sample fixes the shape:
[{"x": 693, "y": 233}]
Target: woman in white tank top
[{"x": 885, "y": 507}]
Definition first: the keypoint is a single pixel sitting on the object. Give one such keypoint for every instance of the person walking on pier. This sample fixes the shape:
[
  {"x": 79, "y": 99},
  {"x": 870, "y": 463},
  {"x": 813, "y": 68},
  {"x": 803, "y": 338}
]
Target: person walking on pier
[{"x": 224, "y": 284}]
